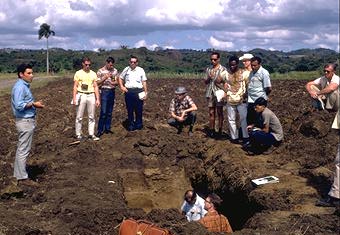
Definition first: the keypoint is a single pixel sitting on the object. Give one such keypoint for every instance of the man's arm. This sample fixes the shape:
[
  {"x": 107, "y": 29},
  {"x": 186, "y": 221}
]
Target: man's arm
[
  {"x": 96, "y": 92},
  {"x": 328, "y": 89},
  {"x": 75, "y": 86},
  {"x": 145, "y": 87}
]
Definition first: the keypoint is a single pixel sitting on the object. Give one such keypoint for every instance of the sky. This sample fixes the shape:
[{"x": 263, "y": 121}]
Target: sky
[{"x": 230, "y": 25}]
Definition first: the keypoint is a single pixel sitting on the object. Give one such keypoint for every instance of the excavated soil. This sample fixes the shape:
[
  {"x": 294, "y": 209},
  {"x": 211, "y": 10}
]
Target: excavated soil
[{"x": 90, "y": 187}]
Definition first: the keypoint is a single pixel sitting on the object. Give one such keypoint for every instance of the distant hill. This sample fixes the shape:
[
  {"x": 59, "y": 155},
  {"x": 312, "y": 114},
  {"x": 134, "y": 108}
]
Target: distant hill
[{"x": 168, "y": 60}]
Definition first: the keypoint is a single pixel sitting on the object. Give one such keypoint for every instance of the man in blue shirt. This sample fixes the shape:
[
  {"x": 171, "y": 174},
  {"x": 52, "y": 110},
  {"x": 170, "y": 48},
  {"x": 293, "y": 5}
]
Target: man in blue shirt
[
  {"x": 259, "y": 85},
  {"x": 24, "y": 109}
]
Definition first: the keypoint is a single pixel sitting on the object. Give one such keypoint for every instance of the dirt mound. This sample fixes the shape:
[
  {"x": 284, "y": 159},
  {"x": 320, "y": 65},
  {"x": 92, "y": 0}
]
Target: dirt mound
[{"x": 90, "y": 187}]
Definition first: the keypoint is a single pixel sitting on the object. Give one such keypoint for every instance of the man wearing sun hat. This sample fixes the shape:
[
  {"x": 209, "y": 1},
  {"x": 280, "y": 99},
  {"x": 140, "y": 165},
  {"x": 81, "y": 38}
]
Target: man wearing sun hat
[
  {"x": 247, "y": 64},
  {"x": 182, "y": 109}
]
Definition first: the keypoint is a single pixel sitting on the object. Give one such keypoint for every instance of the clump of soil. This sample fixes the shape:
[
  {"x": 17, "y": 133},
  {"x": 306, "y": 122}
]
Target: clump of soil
[{"x": 90, "y": 187}]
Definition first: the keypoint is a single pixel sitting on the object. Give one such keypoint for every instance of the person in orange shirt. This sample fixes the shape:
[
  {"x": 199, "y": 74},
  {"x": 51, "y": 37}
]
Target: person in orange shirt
[{"x": 213, "y": 221}]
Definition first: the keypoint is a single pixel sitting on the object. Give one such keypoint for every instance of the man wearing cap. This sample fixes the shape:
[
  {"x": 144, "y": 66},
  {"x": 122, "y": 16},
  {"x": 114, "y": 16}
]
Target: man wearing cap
[
  {"x": 266, "y": 132},
  {"x": 324, "y": 90},
  {"x": 259, "y": 85},
  {"x": 182, "y": 109}
]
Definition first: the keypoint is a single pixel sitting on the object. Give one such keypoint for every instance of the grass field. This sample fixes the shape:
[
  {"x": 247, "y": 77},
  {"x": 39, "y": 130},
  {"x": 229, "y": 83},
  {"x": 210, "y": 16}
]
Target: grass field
[{"x": 7, "y": 79}]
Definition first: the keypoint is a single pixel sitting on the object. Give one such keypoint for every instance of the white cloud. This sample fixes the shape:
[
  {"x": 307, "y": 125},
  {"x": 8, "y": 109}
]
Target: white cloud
[
  {"x": 142, "y": 43},
  {"x": 103, "y": 43},
  {"x": 88, "y": 24},
  {"x": 220, "y": 44}
]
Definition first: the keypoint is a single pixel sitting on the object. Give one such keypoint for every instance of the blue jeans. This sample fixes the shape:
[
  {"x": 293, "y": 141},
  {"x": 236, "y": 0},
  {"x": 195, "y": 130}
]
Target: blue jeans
[
  {"x": 134, "y": 107},
  {"x": 25, "y": 128},
  {"x": 260, "y": 141},
  {"x": 107, "y": 100}
]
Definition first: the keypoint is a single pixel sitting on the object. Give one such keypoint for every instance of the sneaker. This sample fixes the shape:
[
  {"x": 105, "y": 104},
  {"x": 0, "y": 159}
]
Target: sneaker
[
  {"x": 190, "y": 133},
  {"x": 328, "y": 202},
  {"x": 179, "y": 131},
  {"x": 94, "y": 138},
  {"x": 79, "y": 137},
  {"x": 108, "y": 132}
]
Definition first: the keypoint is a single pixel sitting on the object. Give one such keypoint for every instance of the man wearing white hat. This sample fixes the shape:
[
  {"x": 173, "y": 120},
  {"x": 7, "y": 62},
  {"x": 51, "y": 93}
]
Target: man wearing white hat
[
  {"x": 182, "y": 109},
  {"x": 247, "y": 64}
]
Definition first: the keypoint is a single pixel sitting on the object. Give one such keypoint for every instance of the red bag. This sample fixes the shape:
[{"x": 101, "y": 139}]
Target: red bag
[{"x": 140, "y": 227}]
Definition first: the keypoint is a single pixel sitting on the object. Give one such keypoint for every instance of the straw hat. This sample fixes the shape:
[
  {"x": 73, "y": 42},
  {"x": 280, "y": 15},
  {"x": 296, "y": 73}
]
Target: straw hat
[{"x": 246, "y": 56}]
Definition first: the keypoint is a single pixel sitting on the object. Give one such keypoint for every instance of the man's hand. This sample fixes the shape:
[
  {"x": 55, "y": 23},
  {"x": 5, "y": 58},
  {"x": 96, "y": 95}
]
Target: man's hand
[
  {"x": 124, "y": 89},
  {"x": 97, "y": 102},
  {"x": 38, "y": 104},
  {"x": 313, "y": 94}
]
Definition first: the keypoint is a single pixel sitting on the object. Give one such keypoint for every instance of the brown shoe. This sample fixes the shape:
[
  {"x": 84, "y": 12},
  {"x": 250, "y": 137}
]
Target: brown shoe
[{"x": 28, "y": 183}]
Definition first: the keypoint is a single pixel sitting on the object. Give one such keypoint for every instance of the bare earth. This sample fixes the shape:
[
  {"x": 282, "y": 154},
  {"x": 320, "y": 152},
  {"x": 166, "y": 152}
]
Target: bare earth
[{"x": 90, "y": 187}]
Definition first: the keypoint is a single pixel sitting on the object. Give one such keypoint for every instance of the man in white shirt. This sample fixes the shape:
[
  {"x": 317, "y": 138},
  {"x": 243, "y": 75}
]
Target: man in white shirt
[
  {"x": 193, "y": 206},
  {"x": 132, "y": 82},
  {"x": 325, "y": 90}
]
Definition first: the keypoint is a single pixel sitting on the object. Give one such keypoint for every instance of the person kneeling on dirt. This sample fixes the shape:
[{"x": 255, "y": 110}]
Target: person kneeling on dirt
[
  {"x": 193, "y": 206},
  {"x": 324, "y": 90},
  {"x": 266, "y": 132},
  {"x": 182, "y": 109},
  {"x": 213, "y": 221}
]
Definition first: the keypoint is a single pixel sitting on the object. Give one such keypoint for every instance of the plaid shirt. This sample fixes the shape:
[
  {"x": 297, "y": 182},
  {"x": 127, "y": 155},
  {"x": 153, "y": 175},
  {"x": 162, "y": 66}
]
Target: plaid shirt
[
  {"x": 216, "y": 223},
  {"x": 178, "y": 106}
]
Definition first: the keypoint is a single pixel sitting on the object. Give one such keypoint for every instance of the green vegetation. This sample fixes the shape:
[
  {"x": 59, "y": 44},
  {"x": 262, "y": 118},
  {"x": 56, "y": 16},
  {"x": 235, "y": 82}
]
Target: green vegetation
[
  {"x": 45, "y": 31},
  {"x": 161, "y": 62}
]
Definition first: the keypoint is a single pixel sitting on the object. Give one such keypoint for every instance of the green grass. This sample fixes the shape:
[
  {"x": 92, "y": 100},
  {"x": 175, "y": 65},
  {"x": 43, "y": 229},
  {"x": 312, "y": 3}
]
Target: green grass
[
  {"x": 162, "y": 75},
  {"x": 310, "y": 75}
]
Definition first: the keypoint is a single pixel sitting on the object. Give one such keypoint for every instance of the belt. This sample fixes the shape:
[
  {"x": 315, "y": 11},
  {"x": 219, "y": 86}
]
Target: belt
[
  {"x": 106, "y": 88},
  {"x": 85, "y": 92}
]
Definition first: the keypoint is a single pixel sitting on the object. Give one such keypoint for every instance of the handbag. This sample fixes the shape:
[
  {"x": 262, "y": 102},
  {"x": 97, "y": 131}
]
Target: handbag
[{"x": 140, "y": 227}]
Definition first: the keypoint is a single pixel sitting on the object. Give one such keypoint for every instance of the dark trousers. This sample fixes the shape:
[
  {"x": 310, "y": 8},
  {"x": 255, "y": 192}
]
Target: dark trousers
[
  {"x": 261, "y": 141},
  {"x": 251, "y": 114},
  {"x": 134, "y": 107},
  {"x": 107, "y": 100},
  {"x": 190, "y": 120}
]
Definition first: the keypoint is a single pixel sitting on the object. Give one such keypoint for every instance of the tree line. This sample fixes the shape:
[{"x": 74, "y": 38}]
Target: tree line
[{"x": 168, "y": 60}]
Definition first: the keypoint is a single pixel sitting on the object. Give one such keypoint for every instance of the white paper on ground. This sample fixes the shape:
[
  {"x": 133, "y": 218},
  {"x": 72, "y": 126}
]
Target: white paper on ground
[{"x": 265, "y": 180}]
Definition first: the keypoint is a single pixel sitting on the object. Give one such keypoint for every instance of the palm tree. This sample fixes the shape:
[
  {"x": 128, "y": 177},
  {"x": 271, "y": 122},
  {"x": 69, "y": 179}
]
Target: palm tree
[{"x": 45, "y": 31}]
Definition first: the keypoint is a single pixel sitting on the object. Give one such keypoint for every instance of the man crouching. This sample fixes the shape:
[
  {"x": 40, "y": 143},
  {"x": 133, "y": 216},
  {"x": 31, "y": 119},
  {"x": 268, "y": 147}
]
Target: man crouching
[{"x": 182, "y": 109}]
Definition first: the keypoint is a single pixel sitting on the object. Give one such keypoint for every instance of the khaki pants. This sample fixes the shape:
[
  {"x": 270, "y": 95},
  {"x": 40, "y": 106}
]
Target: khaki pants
[
  {"x": 334, "y": 192},
  {"x": 330, "y": 101}
]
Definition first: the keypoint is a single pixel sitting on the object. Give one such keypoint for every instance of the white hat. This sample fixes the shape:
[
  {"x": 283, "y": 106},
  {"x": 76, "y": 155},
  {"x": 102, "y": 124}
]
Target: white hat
[{"x": 246, "y": 56}]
